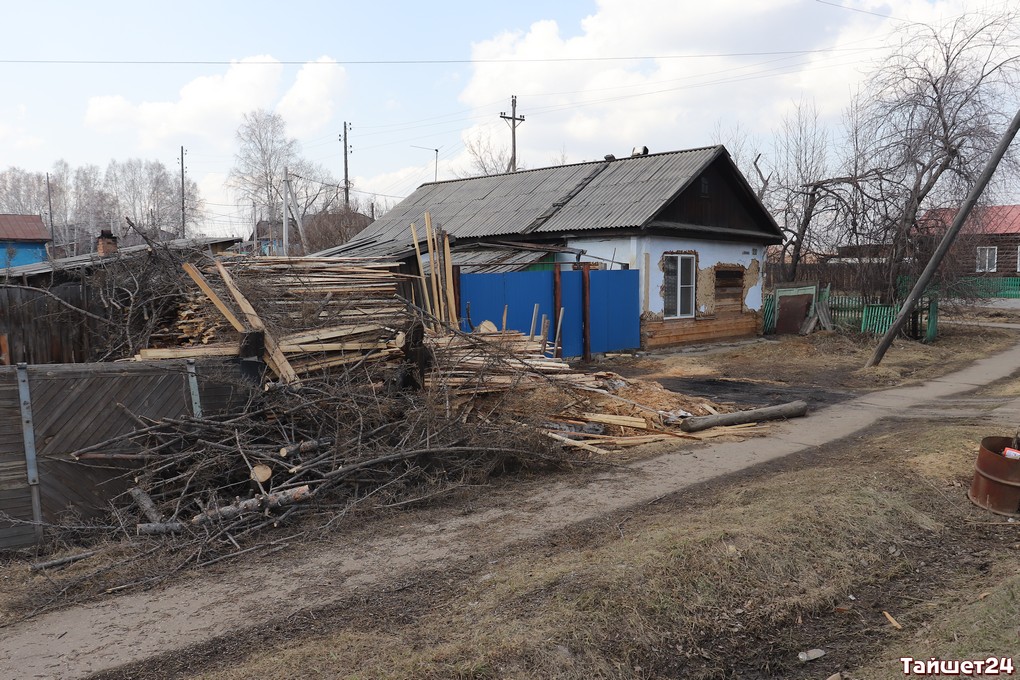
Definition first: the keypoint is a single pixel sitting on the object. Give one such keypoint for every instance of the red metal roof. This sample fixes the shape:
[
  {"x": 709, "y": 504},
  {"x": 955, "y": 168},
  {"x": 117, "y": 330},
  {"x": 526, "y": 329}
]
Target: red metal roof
[
  {"x": 992, "y": 219},
  {"x": 23, "y": 228}
]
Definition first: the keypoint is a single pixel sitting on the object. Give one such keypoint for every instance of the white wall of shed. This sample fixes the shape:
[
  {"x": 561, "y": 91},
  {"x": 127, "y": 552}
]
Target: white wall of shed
[{"x": 631, "y": 250}]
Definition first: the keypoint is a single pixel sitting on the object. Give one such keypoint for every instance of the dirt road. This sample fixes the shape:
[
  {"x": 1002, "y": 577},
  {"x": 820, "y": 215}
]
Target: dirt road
[{"x": 78, "y": 641}]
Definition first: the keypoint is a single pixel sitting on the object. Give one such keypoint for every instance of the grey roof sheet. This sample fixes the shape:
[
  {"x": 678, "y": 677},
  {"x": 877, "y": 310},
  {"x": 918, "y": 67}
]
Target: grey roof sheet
[{"x": 625, "y": 192}]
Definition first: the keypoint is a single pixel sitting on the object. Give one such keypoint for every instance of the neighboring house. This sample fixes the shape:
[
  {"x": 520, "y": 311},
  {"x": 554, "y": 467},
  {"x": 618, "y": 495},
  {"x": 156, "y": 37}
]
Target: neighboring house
[
  {"x": 23, "y": 240},
  {"x": 988, "y": 243},
  {"x": 688, "y": 220}
]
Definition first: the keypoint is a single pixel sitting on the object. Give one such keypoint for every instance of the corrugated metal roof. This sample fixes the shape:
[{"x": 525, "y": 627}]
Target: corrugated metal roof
[
  {"x": 620, "y": 193},
  {"x": 23, "y": 228},
  {"x": 79, "y": 261}
]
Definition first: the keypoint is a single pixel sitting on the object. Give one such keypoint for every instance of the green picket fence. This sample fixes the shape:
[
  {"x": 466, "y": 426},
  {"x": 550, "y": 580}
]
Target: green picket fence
[
  {"x": 858, "y": 312},
  {"x": 768, "y": 313},
  {"x": 877, "y": 319}
]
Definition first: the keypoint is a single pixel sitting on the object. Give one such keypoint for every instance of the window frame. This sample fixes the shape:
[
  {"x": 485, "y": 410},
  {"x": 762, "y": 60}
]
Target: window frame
[
  {"x": 983, "y": 263},
  {"x": 690, "y": 289}
]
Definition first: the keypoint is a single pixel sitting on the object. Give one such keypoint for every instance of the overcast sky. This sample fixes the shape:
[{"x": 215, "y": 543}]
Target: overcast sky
[{"x": 88, "y": 82}]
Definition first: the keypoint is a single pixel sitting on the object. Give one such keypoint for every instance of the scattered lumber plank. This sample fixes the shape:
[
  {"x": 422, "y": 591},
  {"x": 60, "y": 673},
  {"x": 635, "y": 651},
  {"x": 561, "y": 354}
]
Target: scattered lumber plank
[
  {"x": 793, "y": 409},
  {"x": 227, "y": 313},
  {"x": 584, "y": 446}
]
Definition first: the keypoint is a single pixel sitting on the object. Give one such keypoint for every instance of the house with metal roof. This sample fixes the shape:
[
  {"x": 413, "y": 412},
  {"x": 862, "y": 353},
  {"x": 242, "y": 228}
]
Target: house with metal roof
[
  {"x": 687, "y": 220},
  {"x": 23, "y": 239}
]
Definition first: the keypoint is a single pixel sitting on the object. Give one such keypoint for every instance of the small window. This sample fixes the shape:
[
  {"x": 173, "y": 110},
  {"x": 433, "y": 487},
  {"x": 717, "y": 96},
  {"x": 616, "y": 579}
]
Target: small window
[
  {"x": 987, "y": 257},
  {"x": 704, "y": 187},
  {"x": 678, "y": 289}
]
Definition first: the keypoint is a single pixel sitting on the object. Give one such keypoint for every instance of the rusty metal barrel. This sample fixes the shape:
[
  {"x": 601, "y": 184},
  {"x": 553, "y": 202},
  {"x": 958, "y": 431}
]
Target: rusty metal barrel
[{"x": 996, "y": 485}]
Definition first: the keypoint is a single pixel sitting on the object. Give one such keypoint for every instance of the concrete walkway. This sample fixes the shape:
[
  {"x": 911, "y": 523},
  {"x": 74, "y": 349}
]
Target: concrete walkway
[{"x": 85, "y": 639}]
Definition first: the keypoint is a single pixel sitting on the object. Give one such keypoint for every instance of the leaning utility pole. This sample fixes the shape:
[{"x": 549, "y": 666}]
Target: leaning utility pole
[
  {"x": 182, "y": 192},
  {"x": 947, "y": 242},
  {"x": 347, "y": 182},
  {"x": 512, "y": 120}
]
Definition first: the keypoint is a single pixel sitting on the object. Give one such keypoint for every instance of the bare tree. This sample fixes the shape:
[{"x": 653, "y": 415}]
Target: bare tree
[
  {"x": 923, "y": 128},
  {"x": 486, "y": 158},
  {"x": 264, "y": 150},
  {"x": 795, "y": 188}
]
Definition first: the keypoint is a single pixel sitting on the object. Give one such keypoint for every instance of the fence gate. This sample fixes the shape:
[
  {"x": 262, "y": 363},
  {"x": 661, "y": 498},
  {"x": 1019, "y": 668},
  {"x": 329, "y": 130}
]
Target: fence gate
[{"x": 613, "y": 306}]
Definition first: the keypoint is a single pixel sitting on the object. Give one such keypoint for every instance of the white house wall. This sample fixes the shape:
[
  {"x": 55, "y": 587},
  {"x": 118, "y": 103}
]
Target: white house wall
[{"x": 631, "y": 250}]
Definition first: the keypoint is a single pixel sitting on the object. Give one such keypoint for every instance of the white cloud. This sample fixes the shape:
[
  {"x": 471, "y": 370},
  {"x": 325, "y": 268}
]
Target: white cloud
[
  {"x": 207, "y": 107},
  {"x": 310, "y": 102},
  {"x": 741, "y": 73}
]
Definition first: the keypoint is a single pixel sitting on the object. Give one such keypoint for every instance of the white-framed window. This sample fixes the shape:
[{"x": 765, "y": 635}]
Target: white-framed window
[
  {"x": 679, "y": 272},
  {"x": 987, "y": 257}
]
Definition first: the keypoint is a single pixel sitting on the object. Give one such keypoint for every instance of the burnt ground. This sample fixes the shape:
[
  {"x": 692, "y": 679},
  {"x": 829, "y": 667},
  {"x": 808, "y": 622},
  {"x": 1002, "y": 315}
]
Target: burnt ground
[{"x": 748, "y": 393}]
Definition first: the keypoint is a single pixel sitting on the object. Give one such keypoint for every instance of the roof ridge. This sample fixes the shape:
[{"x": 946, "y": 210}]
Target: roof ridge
[{"x": 569, "y": 165}]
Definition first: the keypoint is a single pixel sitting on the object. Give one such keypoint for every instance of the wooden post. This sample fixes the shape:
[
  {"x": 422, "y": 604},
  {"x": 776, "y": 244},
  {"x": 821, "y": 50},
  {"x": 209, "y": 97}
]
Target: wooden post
[
  {"x": 433, "y": 270},
  {"x": 559, "y": 324},
  {"x": 506, "y": 308},
  {"x": 451, "y": 293},
  {"x": 421, "y": 271},
  {"x": 646, "y": 276},
  {"x": 534, "y": 320},
  {"x": 557, "y": 296},
  {"x": 586, "y": 310}
]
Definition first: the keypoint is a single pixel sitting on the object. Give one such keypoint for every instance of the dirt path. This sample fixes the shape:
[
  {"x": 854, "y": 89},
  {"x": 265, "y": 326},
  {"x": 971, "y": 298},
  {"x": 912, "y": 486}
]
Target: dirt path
[{"x": 75, "y": 642}]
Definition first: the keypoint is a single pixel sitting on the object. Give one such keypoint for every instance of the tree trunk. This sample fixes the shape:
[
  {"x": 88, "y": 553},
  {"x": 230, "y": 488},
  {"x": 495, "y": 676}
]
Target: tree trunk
[{"x": 794, "y": 409}]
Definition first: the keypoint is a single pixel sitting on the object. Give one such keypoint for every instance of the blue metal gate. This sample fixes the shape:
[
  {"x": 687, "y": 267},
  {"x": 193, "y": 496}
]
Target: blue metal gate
[{"x": 614, "y": 306}]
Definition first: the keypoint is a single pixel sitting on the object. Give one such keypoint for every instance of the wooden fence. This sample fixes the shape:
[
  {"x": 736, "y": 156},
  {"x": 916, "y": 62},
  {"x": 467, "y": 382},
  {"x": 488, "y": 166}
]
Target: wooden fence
[{"x": 47, "y": 412}]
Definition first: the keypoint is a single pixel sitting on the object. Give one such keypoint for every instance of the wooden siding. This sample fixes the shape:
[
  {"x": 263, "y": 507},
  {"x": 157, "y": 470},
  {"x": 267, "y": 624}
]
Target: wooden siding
[
  {"x": 76, "y": 405},
  {"x": 671, "y": 332},
  {"x": 725, "y": 205}
]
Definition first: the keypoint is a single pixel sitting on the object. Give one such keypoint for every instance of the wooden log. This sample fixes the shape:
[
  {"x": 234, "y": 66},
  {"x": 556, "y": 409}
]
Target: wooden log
[
  {"x": 61, "y": 561},
  {"x": 155, "y": 528},
  {"x": 304, "y": 447},
  {"x": 146, "y": 505},
  {"x": 793, "y": 409},
  {"x": 269, "y": 500}
]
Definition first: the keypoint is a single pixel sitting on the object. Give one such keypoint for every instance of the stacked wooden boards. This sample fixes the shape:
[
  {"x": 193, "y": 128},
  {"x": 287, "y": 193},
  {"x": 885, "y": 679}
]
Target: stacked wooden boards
[{"x": 313, "y": 313}]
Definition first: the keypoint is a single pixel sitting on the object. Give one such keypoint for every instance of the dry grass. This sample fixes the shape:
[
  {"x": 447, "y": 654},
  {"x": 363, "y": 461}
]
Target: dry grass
[{"x": 679, "y": 592}]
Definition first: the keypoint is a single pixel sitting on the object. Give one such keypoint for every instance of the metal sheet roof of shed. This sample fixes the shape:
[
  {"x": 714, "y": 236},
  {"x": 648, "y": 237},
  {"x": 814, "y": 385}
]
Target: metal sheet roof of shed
[
  {"x": 625, "y": 192},
  {"x": 23, "y": 228},
  {"x": 88, "y": 259}
]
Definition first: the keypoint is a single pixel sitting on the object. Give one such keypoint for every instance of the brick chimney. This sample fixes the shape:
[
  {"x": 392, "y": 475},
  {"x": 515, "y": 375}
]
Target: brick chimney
[{"x": 106, "y": 244}]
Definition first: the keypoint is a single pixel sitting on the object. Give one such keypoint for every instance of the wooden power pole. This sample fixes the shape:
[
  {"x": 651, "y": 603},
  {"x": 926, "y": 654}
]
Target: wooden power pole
[{"x": 513, "y": 120}]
